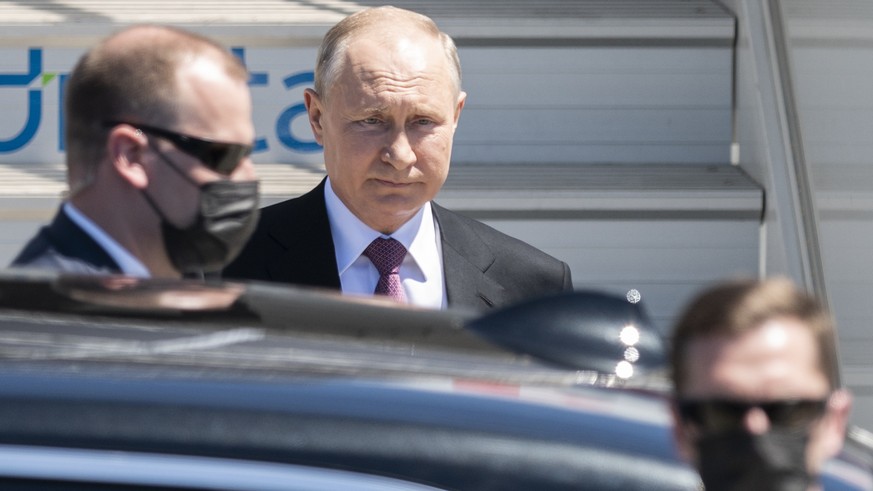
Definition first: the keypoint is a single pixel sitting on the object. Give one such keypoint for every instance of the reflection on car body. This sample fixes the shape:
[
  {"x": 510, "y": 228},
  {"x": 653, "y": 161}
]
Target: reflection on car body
[
  {"x": 55, "y": 467},
  {"x": 313, "y": 390}
]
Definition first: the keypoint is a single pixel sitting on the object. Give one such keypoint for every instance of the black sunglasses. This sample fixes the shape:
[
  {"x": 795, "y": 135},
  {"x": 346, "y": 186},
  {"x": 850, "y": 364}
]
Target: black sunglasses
[
  {"x": 221, "y": 157},
  {"x": 716, "y": 415}
]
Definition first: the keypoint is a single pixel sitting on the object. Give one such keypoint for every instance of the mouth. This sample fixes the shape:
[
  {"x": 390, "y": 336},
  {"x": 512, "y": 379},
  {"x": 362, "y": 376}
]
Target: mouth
[{"x": 393, "y": 184}]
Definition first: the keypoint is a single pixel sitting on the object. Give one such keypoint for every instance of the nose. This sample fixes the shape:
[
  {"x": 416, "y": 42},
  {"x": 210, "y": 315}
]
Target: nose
[
  {"x": 245, "y": 171},
  {"x": 756, "y": 421},
  {"x": 399, "y": 152}
]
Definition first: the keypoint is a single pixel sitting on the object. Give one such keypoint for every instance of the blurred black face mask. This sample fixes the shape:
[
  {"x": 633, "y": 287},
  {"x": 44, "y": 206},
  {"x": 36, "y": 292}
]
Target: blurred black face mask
[
  {"x": 226, "y": 217},
  {"x": 736, "y": 460}
]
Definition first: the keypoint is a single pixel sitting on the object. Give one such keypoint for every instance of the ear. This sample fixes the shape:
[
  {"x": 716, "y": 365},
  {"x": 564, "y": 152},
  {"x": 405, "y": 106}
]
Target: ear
[
  {"x": 462, "y": 99},
  {"x": 682, "y": 436},
  {"x": 834, "y": 422},
  {"x": 125, "y": 148},
  {"x": 315, "y": 111}
]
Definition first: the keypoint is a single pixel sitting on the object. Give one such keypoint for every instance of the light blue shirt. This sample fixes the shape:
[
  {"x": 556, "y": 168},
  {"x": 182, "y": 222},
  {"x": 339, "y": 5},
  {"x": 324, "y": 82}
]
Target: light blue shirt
[
  {"x": 129, "y": 264},
  {"x": 421, "y": 273}
]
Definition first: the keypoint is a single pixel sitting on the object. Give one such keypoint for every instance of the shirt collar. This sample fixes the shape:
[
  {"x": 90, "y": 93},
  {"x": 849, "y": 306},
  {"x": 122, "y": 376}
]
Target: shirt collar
[
  {"x": 126, "y": 261},
  {"x": 351, "y": 236}
]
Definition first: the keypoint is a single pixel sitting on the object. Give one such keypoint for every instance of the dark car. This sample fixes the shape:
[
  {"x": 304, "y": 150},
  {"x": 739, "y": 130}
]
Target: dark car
[{"x": 125, "y": 384}]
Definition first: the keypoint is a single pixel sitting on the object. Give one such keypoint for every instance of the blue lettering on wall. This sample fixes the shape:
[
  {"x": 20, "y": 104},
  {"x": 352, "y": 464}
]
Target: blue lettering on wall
[
  {"x": 258, "y": 79},
  {"x": 283, "y": 124},
  {"x": 34, "y": 101},
  {"x": 25, "y": 82}
]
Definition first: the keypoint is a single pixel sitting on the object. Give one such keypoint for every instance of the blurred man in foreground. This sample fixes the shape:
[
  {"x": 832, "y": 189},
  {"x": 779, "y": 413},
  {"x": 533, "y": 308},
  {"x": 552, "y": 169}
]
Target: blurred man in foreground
[
  {"x": 755, "y": 403},
  {"x": 386, "y": 104},
  {"x": 158, "y": 136}
]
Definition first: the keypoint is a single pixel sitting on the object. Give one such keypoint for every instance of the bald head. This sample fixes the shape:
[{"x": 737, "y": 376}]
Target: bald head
[
  {"x": 381, "y": 23},
  {"x": 130, "y": 76}
]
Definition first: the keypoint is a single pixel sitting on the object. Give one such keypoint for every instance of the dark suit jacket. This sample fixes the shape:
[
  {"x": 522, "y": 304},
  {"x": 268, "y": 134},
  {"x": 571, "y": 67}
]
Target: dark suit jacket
[
  {"x": 63, "y": 246},
  {"x": 483, "y": 267}
]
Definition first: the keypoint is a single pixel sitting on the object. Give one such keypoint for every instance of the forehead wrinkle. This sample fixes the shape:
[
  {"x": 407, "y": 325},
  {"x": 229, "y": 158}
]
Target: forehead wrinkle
[
  {"x": 385, "y": 94},
  {"x": 406, "y": 61},
  {"x": 392, "y": 81}
]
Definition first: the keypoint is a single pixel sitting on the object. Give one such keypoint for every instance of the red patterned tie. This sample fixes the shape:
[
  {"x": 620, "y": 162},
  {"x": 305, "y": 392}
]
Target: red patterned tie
[{"x": 387, "y": 255}]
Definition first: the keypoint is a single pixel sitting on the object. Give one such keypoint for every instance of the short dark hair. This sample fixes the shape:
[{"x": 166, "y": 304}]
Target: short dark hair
[
  {"x": 133, "y": 81},
  {"x": 732, "y": 308}
]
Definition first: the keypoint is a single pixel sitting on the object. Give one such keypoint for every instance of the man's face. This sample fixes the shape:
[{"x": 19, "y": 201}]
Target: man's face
[
  {"x": 387, "y": 124},
  {"x": 212, "y": 106},
  {"x": 777, "y": 361}
]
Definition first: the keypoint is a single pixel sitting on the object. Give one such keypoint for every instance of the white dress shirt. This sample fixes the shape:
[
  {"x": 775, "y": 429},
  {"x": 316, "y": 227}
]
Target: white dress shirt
[
  {"x": 421, "y": 273},
  {"x": 130, "y": 265}
]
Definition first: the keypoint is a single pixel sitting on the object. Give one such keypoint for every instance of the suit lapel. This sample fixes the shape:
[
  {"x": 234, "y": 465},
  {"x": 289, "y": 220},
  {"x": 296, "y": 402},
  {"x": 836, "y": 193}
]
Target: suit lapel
[
  {"x": 310, "y": 258},
  {"x": 466, "y": 259},
  {"x": 304, "y": 232}
]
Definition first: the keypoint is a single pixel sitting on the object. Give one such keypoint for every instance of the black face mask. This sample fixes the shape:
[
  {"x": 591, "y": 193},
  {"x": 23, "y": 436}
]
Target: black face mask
[
  {"x": 740, "y": 461},
  {"x": 227, "y": 215}
]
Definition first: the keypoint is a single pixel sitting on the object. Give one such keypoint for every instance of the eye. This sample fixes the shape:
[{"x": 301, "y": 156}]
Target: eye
[
  {"x": 422, "y": 122},
  {"x": 371, "y": 120}
]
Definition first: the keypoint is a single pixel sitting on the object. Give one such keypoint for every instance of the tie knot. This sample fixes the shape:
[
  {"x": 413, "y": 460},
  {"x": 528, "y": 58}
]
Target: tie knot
[{"x": 386, "y": 255}]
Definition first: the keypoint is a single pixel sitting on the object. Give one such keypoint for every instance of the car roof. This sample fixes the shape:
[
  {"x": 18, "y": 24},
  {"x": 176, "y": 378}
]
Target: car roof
[{"x": 254, "y": 326}]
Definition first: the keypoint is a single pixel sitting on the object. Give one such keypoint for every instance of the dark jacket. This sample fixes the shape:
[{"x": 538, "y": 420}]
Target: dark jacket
[
  {"x": 483, "y": 267},
  {"x": 63, "y": 246}
]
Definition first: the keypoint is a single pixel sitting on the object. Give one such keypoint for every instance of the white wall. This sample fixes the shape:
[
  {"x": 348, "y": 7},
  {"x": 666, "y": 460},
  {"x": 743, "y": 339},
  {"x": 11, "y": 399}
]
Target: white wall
[
  {"x": 667, "y": 261},
  {"x": 596, "y": 104},
  {"x": 831, "y": 49}
]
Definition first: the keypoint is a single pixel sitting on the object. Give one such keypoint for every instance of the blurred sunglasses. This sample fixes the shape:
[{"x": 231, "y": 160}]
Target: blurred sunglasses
[
  {"x": 715, "y": 415},
  {"x": 221, "y": 157}
]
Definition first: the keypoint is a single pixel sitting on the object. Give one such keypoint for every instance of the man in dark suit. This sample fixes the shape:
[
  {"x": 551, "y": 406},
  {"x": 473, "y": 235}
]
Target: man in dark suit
[
  {"x": 385, "y": 107},
  {"x": 158, "y": 134}
]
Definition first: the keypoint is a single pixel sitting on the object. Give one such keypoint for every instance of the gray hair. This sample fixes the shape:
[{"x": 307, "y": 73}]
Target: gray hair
[{"x": 328, "y": 63}]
